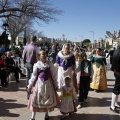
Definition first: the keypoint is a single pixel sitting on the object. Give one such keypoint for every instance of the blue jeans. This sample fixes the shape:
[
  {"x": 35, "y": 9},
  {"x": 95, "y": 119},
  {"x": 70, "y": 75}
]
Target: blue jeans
[{"x": 29, "y": 68}]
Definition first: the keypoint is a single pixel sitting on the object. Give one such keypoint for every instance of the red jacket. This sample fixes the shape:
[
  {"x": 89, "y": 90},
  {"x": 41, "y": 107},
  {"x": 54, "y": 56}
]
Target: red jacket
[{"x": 2, "y": 65}]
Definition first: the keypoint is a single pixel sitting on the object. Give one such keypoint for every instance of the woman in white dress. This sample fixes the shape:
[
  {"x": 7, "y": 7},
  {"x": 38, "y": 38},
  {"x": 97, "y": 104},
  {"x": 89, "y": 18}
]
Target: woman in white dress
[{"x": 44, "y": 80}]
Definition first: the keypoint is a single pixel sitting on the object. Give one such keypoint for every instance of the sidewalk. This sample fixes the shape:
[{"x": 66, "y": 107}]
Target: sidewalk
[{"x": 13, "y": 104}]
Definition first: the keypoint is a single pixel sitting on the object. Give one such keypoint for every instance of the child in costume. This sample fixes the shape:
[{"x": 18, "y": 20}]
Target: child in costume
[
  {"x": 43, "y": 97},
  {"x": 68, "y": 98},
  {"x": 85, "y": 79}
]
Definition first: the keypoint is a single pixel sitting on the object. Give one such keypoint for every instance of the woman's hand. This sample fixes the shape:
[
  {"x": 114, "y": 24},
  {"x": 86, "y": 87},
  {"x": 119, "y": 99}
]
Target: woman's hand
[
  {"x": 2, "y": 68},
  {"x": 28, "y": 90},
  {"x": 73, "y": 72}
]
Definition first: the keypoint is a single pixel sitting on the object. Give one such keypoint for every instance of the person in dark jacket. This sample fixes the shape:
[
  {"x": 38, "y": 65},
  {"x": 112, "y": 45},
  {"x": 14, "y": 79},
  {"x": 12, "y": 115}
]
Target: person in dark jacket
[
  {"x": 116, "y": 90},
  {"x": 30, "y": 57},
  {"x": 84, "y": 81},
  {"x": 111, "y": 52},
  {"x": 10, "y": 64},
  {"x": 52, "y": 53},
  {"x": 2, "y": 71}
]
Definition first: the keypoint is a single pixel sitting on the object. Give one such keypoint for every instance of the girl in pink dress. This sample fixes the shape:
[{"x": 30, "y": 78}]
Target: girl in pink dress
[{"x": 44, "y": 78}]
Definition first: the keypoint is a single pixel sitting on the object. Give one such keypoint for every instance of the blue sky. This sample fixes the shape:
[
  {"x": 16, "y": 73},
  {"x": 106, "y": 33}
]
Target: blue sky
[{"x": 82, "y": 16}]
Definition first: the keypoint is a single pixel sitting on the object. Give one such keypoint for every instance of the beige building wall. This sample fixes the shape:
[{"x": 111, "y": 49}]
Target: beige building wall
[{"x": 110, "y": 41}]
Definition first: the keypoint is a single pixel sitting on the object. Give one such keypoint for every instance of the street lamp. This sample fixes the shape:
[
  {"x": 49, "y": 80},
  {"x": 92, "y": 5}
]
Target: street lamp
[
  {"x": 5, "y": 25},
  {"x": 95, "y": 43},
  {"x": 93, "y": 34},
  {"x": 81, "y": 40},
  {"x": 63, "y": 37}
]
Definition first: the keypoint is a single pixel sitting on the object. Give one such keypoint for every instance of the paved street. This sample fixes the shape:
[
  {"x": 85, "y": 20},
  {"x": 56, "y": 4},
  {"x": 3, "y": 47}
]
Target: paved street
[{"x": 13, "y": 104}]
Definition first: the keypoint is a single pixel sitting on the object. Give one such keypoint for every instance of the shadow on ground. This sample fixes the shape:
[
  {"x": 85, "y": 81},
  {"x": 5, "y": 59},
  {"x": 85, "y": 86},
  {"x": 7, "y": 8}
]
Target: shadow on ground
[
  {"x": 5, "y": 105},
  {"x": 88, "y": 117},
  {"x": 13, "y": 86}
]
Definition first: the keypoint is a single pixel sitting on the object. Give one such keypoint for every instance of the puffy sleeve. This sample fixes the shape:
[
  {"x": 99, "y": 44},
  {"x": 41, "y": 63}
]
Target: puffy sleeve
[
  {"x": 57, "y": 62},
  {"x": 92, "y": 59},
  {"x": 24, "y": 55},
  {"x": 54, "y": 74},
  {"x": 33, "y": 76},
  {"x": 37, "y": 52}
]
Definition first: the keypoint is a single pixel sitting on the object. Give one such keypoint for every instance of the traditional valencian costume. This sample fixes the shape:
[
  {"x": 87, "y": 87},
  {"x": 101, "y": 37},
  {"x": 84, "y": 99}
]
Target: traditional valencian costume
[
  {"x": 68, "y": 95},
  {"x": 99, "y": 81},
  {"x": 43, "y": 96},
  {"x": 65, "y": 64}
]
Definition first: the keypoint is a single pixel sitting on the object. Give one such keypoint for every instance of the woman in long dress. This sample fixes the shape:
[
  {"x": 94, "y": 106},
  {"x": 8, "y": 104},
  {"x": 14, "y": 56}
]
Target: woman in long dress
[
  {"x": 99, "y": 81},
  {"x": 44, "y": 78},
  {"x": 65, "y": 63},
  {"x": 78, "y": 59}
]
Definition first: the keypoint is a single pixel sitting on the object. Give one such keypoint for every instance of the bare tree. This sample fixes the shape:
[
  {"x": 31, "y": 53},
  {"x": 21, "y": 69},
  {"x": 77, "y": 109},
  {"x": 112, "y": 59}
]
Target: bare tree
[
  {"x": 29, "y": 32},
  {"x": 21, "y": 13},
  {"x": 17, "y": 25},
  {"x": 114, "y": 36},
  {"x": 40, "y": 9}
]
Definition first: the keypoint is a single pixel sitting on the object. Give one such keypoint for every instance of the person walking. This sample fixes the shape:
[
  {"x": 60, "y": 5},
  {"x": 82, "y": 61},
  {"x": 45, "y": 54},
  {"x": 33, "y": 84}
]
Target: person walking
[
  {"x": 52, "y": 53},
  {"x": 65, "y": 63},
  {"x": 44, "y": 79},
  {"x": 115, "y": 107},
  {"x": 29, "y": 56},
  {"x": 99, "y": 80},
  {"x": 85, "y": 79},
  {"x": 111, "y": 52}
]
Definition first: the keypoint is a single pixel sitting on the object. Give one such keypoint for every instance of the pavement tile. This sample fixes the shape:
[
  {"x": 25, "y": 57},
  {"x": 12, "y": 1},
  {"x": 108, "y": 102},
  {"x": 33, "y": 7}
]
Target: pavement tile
[{"x": 13, "y": 104}]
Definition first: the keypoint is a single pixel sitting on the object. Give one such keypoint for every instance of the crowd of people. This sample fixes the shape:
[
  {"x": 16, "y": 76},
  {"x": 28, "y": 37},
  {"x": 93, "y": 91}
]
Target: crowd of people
[
  {"x": 9, "y": 63},
  {"x": 61, "y": 77}
]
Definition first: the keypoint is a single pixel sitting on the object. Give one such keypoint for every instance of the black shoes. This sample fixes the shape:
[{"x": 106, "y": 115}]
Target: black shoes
[
  {"x": 17, "y": 81},
  {"x": 23, "y": 75},
  {"x": 117, "y": 107},
  {"x": 62, "y": 118},
  {"x": 70, "y": 114},
  {"x": 80, "y": 105},
  {"x": 28, "y": 96},
  {"x": 31, "y": 119},
  {"x": 114, "y": 110},
  {"x": 4, "y": 85},
  {"x": 46, "y": 117}
]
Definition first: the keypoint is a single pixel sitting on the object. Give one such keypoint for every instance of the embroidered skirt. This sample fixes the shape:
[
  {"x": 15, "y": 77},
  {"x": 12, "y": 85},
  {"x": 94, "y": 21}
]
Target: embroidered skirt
[
  {"x": 43, "y": 97},
  {"x": 99, "y": 81}
]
